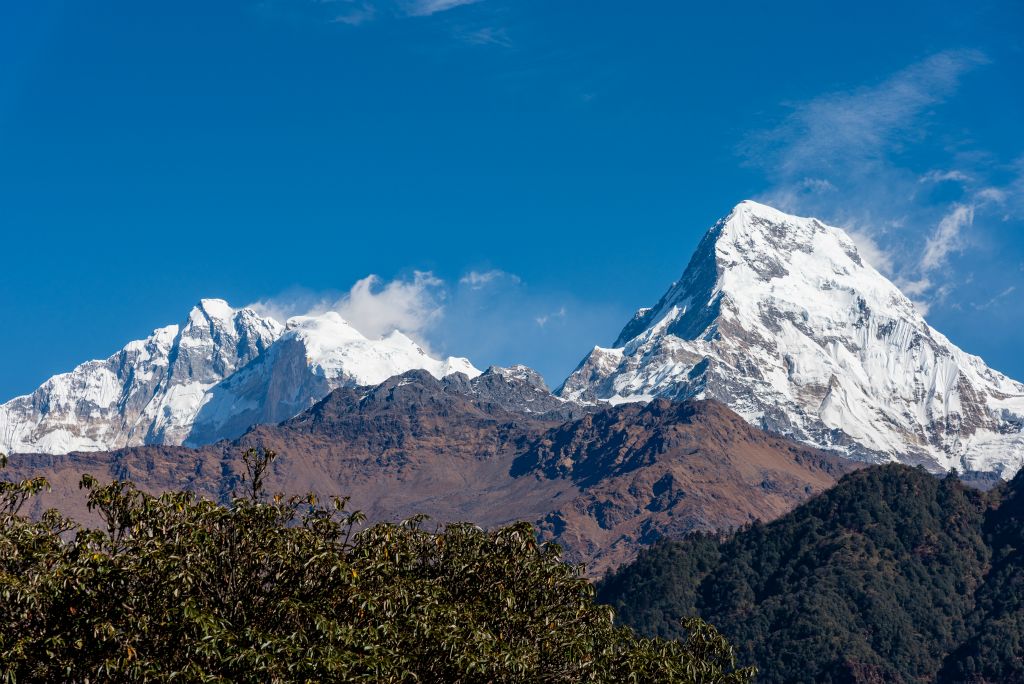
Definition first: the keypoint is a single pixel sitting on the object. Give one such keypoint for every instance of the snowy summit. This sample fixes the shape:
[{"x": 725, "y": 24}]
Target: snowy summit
[{"x": 781, "y": 318}]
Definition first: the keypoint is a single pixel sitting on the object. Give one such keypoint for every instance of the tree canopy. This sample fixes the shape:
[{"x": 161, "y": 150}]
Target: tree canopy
[
  {"x": 276, "y": 589},
  {"x": 894, "y": 575}
]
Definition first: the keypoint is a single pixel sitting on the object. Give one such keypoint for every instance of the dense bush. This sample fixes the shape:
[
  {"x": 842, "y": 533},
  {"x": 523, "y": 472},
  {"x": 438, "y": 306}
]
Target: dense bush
[
  {"x": 286, "y": 590},
  {"x": 894, "y": 575}
]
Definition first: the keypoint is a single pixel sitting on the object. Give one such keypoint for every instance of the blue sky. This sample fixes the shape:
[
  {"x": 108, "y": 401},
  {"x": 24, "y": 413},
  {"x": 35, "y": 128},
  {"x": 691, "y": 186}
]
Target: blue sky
[{"x": 518, "y": 177}]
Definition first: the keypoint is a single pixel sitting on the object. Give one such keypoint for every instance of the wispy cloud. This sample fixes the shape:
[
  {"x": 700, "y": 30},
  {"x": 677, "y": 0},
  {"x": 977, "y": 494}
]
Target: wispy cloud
[
  {"x": 543, "y": 319},
  {"x": 490, "y": 316},
  {"x": 487, "y": 36},
  {"x": 875, "y": 255},
  {"x": 936, "y": 176},
  {"x": 995, "y": 300},
  {"x": 844, "y": 156},
  {"x": 360, "y": 12},
  {"x": 357, "y": 15},
  {"x": 423, "y": 8},
  {"x": 947, "y": 238},
  {"x": 855, "y": 130},
  {"x": 477, "y": 280}
]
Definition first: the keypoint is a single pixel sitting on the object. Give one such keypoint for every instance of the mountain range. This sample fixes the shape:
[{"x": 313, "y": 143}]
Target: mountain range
[
  {"x": 778, "y": 317},
  {"x": 212, "y": 377},
  {"x": 602, "y": 481}
]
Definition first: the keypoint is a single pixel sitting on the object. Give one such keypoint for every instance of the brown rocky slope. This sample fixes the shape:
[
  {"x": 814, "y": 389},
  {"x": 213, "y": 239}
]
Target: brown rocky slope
[{"x": 601, "y": 483}]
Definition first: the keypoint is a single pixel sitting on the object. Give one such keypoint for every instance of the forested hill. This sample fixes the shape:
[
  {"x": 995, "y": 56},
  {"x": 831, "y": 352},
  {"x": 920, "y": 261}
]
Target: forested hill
[{"x": 891, "y": 576}]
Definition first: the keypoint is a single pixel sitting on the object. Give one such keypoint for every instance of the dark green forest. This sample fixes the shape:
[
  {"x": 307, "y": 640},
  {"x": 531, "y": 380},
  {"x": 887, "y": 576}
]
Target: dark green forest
[
  {"x": 894, "y": 575},
  {"x": 275, "y": 589}
]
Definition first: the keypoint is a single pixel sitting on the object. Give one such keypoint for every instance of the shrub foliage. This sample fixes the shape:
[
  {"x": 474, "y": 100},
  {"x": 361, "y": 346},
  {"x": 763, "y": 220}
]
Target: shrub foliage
[{"x": 176, "y": 588}]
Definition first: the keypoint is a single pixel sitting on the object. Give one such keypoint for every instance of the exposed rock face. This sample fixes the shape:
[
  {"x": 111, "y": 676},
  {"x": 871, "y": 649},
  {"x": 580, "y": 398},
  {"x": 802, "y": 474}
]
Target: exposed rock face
[
  {"x": 781, "y": 319},
  {"x": 517, "y": 389},
  {"x": 212, "y": 377},
  {"x": 494, "y": 449}
]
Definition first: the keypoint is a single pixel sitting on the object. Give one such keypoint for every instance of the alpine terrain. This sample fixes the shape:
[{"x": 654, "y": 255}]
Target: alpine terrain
[
  {"x": 780, "y": 318},
  {"x": 210, "y": 377}
]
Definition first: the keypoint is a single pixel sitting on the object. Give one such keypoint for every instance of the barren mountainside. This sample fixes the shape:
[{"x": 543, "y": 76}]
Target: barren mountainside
[{"x": 494, "y": 449}]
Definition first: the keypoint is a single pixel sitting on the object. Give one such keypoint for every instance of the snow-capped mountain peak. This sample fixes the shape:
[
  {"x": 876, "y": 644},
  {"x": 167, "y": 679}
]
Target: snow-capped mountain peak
[
  {"x": 148, "y": 392},
  {"x": 781, "y": 318},
  {"x": 218, "y": 372}
]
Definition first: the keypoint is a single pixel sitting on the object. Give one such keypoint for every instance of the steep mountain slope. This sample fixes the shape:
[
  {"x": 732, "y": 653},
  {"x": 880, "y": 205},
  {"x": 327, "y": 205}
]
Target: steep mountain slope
[
  {"x": 213, "y": 376},
  {"x": 491, "y": 450},
  {"x": 780, "y": 318},
  {"x": 893, "y": 575}
]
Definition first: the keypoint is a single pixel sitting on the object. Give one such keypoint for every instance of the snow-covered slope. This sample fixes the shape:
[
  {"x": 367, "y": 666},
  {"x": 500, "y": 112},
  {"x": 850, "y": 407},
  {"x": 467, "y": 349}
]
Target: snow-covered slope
[
  {"x": 781, "y": 318},
  {"x": 315, "y": 355},
  {"x": 221, "y": 370},
  {"x": 147, "y": 393}
]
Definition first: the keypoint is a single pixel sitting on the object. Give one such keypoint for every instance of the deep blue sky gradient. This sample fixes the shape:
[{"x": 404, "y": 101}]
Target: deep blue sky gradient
[{"x": 155, "y": 153}]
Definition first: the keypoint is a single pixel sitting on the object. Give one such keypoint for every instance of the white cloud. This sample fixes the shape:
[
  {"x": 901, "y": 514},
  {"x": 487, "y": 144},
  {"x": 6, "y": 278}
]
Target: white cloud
[
  {"x": 294, "y": 302},
  {"x": 936, "y": 176},
  {"x": 488, "y": 36},
  {"x": 376, "y": 308},
  {"x": 479, "y": 279},
  {"x": 995, "y": 300},
  {"x": 996, "y": 195},
  {"x": 947, "y": 238},
  {"x": 914, "y": 288},
  {"x": 848, "y": 131},
  {"x": 423, "y": 8},
  {"x": 357, "y": 16},
  {"x": 359, "y": 12},
  {"x": 843, "y": 156},
  {"x": 542, "y": 320}
]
